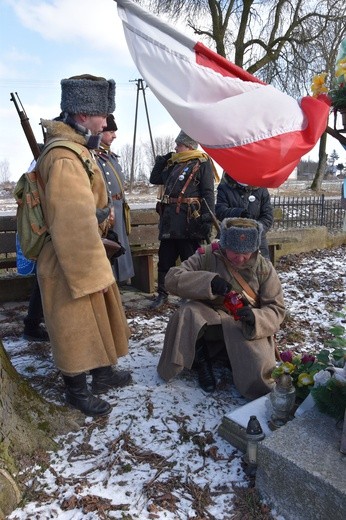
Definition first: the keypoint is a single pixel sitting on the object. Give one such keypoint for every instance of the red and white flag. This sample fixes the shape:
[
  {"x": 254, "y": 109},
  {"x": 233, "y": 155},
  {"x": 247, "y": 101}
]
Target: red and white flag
[{"x": 256, "y": 133}]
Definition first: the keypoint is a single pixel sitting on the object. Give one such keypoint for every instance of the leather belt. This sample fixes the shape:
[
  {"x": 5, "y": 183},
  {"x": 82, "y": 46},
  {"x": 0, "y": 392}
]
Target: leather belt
[
  {"x": 117, "y": 196},
  {"x": 188, "y": 200}
]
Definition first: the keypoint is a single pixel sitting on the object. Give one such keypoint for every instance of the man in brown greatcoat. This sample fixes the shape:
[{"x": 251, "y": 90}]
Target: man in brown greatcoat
[
  {"x": 82, "y": 306},
  {"x": 198, "y": 328}
]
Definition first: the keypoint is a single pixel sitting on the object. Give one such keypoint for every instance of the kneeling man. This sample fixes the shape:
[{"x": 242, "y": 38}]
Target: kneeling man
[{"x": 234, "y": 295}]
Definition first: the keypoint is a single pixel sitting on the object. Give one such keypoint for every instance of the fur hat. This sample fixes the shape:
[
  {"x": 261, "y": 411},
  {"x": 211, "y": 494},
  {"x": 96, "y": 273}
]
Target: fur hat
[
  {"x": 186, "y": 140},
  {"x": 111, "y": 124},
  {"x": 88, "y": 95},
  {"x": 240, "y": 235}
]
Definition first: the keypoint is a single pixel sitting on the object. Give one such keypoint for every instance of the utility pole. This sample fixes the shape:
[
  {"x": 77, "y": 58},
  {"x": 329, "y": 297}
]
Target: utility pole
[{"x": 140, "y": 88}]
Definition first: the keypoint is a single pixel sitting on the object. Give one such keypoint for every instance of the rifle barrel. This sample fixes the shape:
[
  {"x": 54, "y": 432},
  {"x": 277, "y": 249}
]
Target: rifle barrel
[
  {"x": 29, "y": 134},
  {"x": 214, "y": 219}
]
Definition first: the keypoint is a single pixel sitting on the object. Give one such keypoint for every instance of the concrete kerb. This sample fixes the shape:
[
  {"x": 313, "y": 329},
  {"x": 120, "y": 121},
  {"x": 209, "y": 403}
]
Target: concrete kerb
[{"x": 301, "y": 472}]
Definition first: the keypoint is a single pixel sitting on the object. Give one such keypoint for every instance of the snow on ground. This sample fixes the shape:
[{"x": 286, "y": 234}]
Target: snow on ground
[{"x": 158, "y": 455}]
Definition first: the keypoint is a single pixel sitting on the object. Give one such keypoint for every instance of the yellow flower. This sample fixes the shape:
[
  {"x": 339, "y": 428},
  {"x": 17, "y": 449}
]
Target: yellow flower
[
  {"x": 305, "y": 379},
  {"x": 318, "y": 84},
  {"x": 287, "y": 367},
  {"x": 340, "y": 67}
]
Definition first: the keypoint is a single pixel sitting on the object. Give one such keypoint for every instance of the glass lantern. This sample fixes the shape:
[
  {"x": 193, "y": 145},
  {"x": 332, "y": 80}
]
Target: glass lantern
[
  {"x": 282, "y": 399},
  {"x": 254, "y": 434}
]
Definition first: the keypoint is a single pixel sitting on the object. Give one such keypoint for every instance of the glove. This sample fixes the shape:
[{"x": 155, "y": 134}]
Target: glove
[
  {"x": 247, "y": 315},
  {"x": 162, "y": 159},
  {"x": 168, "y": 156},
  {"x": 102, "y": 214},
  {"x": 245, "y": 214},
  {"x": 220, "y": 286}
]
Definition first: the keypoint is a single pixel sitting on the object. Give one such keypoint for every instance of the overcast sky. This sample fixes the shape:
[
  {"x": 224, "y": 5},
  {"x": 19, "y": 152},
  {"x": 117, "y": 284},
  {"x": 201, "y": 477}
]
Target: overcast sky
[{"x": 43, "y": 41}]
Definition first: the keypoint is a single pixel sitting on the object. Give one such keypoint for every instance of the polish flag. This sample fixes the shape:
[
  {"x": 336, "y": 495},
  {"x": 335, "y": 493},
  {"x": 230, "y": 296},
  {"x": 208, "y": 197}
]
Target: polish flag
[{"x": 255, "y": 132}]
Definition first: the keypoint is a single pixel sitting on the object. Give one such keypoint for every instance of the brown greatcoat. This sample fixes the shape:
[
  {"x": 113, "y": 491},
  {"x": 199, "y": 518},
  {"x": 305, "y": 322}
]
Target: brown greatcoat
[
  {"x": 250, "y": 349},
  {"x": 87, "y": 328}
]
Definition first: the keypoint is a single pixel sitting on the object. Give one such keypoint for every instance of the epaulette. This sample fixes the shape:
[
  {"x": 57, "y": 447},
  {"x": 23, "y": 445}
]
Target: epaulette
[{"x": 214, "y": 246}]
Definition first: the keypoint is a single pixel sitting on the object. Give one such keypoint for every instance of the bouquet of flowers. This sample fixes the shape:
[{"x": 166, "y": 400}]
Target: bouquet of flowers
[
  {"x": 338, "y": 92},
  {"x": 302, "y": 369},
  {"x": 319, "y": 86},
  {"x": 323, "y": 374}
]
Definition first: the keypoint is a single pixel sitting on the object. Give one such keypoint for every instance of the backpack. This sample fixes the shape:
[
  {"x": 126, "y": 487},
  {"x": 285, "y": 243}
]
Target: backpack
[{"x": 31, "y": 227}]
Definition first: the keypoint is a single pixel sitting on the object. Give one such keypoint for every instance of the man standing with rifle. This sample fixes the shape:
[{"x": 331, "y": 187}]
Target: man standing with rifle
[{"x": 82, "y": 305}]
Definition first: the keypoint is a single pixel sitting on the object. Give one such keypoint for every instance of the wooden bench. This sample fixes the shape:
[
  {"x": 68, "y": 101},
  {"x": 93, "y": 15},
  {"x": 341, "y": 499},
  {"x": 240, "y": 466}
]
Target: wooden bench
[
  {"x": 13, "y": 287},
  {"x": 143, "y": 241},
  {"x": 144, "y": 244}
]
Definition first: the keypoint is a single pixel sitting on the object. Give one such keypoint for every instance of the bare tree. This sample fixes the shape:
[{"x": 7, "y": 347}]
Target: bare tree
[
  {"x": 252, "y": 33},
  {"x": 28, "y": 425},
  {"x": 324, "y": 50},
  {"x": 162, "y": 145},
  {"x": 125, "y": 159},
  {"x": 283, "y": 42}
]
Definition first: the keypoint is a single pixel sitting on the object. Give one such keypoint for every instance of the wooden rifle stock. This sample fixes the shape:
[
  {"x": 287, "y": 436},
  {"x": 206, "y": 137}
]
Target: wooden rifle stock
[{"x": 29, "y": 134}]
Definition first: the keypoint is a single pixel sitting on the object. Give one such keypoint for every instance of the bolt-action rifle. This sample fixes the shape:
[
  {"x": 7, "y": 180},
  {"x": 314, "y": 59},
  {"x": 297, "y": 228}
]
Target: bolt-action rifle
[
  {"x": 213, "y": 217},
  {"x": 29, "y": 134}
]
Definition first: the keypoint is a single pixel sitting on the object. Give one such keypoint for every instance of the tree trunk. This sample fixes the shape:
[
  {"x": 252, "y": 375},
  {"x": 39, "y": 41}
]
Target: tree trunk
[
  {"x": 322, "y": 163},
  {"x": 28, "y": 424}
]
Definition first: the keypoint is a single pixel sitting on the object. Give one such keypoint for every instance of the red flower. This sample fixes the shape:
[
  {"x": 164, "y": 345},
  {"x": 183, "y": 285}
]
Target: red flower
[
  {"x": 308, "y": 358},
  {"x": 286, "y": 356}
]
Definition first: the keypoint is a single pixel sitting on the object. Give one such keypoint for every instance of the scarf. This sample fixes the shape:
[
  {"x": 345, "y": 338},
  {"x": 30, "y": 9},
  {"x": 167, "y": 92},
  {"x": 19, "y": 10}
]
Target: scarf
[
  {"x": 92, "y": 142},
  {"x": 189, "y": 156}
]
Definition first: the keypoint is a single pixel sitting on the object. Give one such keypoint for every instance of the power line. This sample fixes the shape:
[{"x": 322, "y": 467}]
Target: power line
[{"x": 140, "y": 88}]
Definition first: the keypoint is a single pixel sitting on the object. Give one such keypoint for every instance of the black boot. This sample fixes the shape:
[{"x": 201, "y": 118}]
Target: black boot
[
  {"x": 162, "y": 296},
  {"x": 206, "y": 377},
  {"x": 105, "y": 378},
  {"x": 79, "y": 396},
  {"x": 35, "y": 332},
  {"x": 159, "y": 301}
]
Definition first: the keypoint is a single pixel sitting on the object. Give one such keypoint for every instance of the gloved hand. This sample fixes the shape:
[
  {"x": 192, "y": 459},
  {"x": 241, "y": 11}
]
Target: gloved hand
[
  {"x": 219, "y": 286},
  {"x": 102, "y": 214},
  {"x": 168, "y": 156},
  {"x": 246, "y": 314},
  {"x": 245, "y": 214},
  {"x": 162, "y": 159}
]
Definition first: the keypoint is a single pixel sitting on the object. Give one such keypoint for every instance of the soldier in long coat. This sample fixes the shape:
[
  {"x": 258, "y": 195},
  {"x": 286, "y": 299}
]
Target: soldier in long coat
[
  {"x": 81, "y": 302},
  {"x": 195, "y": 330},
  {"x": 114, "y": 178}
]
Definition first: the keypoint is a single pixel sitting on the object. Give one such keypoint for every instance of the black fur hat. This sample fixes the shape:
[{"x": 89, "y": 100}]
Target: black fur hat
[
  {"x": 111, "y": 124},
  {"x": 86, "y": 94}
]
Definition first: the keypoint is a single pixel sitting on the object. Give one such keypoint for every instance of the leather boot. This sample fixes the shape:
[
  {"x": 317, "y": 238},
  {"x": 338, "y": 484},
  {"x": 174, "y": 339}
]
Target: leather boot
[
  {"x": 205, "y": 374},
  {"x": 105, "y": 378},
  {"x": 35, "y": 333},
  {"x": 162, "y": 296},
  {"x": 159, "y": 301},
  {"x": 79, "y": 396}
]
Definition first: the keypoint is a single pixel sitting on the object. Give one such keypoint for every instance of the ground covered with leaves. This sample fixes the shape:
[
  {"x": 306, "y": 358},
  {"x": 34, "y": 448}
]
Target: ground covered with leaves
[{"x": 158, "y": 455}]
